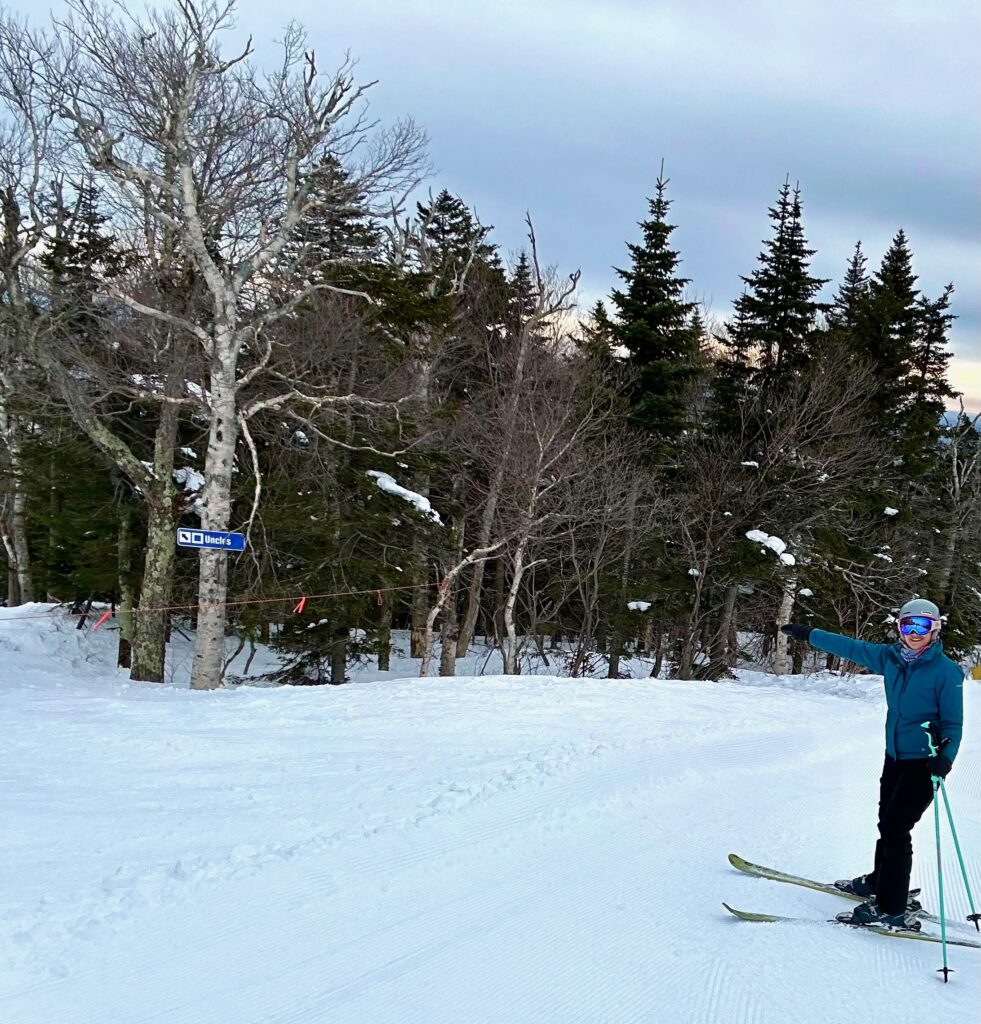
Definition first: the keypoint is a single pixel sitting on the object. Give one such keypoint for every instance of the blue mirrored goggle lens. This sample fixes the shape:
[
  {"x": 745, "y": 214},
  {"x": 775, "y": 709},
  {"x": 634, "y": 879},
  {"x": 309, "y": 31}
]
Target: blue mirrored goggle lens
[{"x": 918, "y": 624}]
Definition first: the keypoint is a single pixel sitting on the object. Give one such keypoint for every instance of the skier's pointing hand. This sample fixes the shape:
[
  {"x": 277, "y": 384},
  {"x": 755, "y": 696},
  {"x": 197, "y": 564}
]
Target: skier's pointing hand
[{"x": 797, "y": 631}]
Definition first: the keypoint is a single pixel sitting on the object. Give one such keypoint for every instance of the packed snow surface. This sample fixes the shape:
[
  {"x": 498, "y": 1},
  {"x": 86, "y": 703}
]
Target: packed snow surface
[{"x": 473, "y": 850}]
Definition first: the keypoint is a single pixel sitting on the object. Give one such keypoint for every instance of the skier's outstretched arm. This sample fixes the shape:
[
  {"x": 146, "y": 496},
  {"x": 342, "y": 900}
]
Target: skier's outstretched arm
[{"x": 872, "y": 656}]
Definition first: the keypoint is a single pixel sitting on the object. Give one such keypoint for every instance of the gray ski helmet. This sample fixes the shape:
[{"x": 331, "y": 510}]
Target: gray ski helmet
[{"x": 920, "y": 606}]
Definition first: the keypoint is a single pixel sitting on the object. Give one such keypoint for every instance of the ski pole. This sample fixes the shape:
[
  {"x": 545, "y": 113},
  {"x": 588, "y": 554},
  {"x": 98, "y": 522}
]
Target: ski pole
[
  {"x": 974, "y": 915},
  {"x": 940, "y": 871}
]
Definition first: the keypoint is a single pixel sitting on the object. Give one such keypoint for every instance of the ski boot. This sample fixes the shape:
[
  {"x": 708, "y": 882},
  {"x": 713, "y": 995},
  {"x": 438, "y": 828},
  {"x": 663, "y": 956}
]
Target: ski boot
[
  {"x": 860, "y": 887},
  {"x": 870, "y": 914},
  {"x": 856, "y": 886}
]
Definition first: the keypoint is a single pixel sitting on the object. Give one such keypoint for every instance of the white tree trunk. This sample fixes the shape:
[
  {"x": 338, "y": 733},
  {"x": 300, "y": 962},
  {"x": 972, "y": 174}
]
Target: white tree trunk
[
  {"x": 385, "y": 634},
  {"x": 444, "y": 592},
  {"x": 947, "y": 563},
  {"x": 419, "y": 601},
  {"x": 469, "y": 623},
  {"x": 18, "y": 535},
  {"x": 209, "y": 646},
  {"x": 782, "y": 662},
  {"x": 721, "y": 657},
  {"x": 494, "y": 492},
  {"x": 648, "y": 641},
  {"x": 686, "y": 663},
  {"x": 510, "y": 632},
  {"x": 427, "y": 637},
  {"x": 150, "y": 627},
  {"x": 127, "y": 591},
  {"x": 451, "y": 616},
  {"x": 16, "y": 522},
  {"x": 617, "y": 639},
  {"x": 13, "y": 593}
]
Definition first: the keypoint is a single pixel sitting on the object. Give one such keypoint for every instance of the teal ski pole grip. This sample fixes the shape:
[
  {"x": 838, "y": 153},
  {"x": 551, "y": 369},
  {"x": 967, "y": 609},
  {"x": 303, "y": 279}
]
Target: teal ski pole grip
[{"x": 927, "y": 728}]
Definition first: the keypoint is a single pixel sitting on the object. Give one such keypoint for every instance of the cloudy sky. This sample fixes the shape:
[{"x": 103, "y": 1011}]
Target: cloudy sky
[{"x": 565, "y": 108}]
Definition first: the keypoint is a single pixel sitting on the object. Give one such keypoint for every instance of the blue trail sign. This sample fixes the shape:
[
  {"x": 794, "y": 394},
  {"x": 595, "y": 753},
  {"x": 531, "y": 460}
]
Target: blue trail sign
[{"x": 211, "y": 539}]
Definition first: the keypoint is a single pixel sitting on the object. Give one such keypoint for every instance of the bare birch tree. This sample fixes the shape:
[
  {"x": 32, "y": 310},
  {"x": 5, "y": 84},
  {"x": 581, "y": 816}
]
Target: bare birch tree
[
  {"x": 145, "y": 366},
  {"x": 545, "y": 488},
  {"x": 552, "y": 300},
  {"x": 225, "y": 159},
  {"x": 625, "y": 509}
]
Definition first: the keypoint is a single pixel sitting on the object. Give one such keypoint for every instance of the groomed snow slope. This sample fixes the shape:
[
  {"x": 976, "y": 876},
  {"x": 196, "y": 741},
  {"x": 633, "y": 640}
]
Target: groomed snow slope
[{"x": 467, "y": 850}]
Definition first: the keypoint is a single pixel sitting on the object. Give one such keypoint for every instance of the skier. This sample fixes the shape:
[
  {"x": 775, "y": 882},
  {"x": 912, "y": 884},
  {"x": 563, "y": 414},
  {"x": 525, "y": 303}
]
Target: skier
[{"x": 922, "y": 685}]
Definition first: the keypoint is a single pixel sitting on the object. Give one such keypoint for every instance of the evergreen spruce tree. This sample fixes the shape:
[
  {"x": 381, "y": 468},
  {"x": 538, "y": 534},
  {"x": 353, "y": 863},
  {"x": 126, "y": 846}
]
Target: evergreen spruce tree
[
  {"x": 734, "y": 376},
  {"x": 654, "y": 324},
  {"x": 337, "y": 240},
  {"x": 700, "y": 333},
  {"x": 522, "y": 296},
  {"x": 902, "y": 337},
  {"x": 851, "y": 295},
  {"x": 457, "y": 238},
  {"x": 344, "y": 537},
  {"x": 72, "y": 510},
  {"x": 772, "y": 331},
  {"x": 928, "y": 388},
  {"x": 80, "y": 254},
  {"x": 71, "y": 492},
  {"x": 595, "y": 337},
  {"x": 885, "y": 333},
  {"x": 777, "y": 314}
]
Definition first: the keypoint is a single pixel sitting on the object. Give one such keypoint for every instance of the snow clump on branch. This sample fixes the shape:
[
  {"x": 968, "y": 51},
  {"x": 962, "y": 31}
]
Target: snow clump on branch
[
  {"x": 391, "y": 486},
  {"x": 775, "y": 544}
]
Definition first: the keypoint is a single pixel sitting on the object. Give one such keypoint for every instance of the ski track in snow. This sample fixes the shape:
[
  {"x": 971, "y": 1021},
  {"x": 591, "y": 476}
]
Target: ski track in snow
[
  {"x": 530, "y": 850},
  {"x": 503, "y": 917}
]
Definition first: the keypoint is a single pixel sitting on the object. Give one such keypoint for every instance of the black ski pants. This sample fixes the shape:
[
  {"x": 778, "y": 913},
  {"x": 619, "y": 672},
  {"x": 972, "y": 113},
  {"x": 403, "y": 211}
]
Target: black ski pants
[{"x": 905, "y": 792}]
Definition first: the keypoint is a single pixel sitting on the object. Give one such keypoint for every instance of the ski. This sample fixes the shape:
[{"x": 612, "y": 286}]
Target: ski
[
  {"x": 745, "y": 915},
  {"x": 758, "y": 871}
]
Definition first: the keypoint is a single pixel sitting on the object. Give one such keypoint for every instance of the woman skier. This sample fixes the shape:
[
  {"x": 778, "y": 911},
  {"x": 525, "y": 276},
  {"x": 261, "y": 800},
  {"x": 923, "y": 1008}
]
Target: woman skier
[{"x": 922, "y": 685}]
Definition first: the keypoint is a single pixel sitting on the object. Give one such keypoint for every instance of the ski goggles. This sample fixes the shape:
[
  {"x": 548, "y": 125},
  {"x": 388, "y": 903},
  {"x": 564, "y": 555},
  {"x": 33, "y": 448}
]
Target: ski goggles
[{"x": 921, "y": 625}]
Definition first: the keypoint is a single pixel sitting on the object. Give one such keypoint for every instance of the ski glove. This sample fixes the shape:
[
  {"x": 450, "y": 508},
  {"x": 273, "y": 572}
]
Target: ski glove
[
  {"x": 940, "y": 765},
  {"x": 797, "y": 631}
]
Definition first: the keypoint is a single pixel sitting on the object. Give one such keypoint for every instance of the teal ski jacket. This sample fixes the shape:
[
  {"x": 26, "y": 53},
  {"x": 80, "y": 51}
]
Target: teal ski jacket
[{"x": 929, "y": 689}]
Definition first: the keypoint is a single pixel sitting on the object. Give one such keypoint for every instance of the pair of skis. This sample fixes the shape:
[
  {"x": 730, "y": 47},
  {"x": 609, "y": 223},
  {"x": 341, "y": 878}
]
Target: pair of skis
[{"x": 759, "y": 871}]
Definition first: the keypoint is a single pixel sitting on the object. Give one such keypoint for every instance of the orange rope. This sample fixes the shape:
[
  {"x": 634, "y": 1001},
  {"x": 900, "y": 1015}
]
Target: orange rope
[{"x": 228, "y": 604}]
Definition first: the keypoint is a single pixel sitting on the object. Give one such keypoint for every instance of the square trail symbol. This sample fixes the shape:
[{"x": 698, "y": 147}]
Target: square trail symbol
[{"x": 213, "y": 540}]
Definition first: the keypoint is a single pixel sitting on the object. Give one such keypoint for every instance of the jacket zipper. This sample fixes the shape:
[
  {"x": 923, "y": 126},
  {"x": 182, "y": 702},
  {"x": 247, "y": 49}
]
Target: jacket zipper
[{"x": 906, "y": 667}]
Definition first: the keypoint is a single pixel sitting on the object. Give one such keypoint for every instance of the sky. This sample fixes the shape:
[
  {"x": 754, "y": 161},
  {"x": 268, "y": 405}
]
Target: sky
[{"x": 566, "y": 108}]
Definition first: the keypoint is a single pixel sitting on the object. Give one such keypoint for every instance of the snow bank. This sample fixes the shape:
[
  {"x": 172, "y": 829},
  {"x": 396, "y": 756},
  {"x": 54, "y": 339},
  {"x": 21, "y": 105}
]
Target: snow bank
[{"x": 865, "y": 688}]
